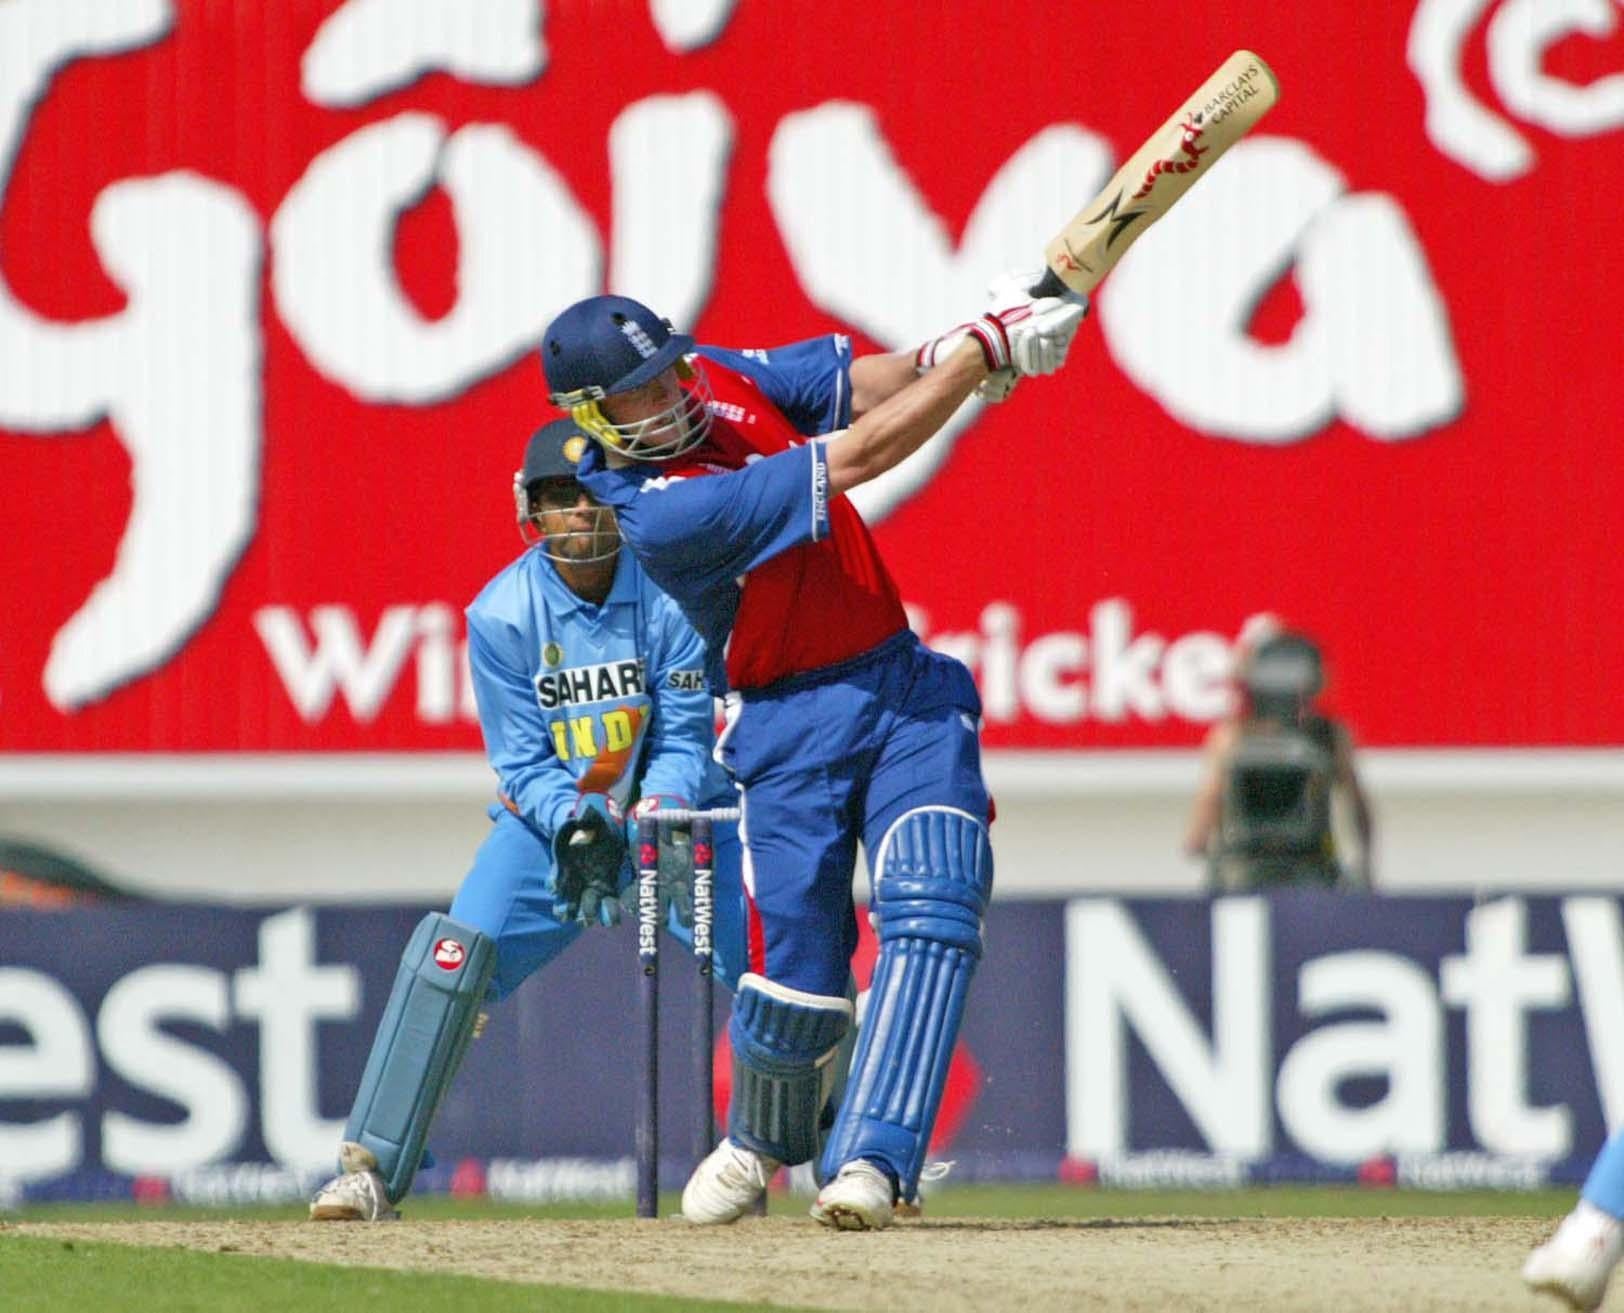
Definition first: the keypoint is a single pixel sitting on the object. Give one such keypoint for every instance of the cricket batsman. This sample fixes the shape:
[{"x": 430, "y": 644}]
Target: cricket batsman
[{"x": 727, "y": 471}]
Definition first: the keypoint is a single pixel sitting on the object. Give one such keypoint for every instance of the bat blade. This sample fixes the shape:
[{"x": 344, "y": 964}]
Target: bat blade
[{"x": 1175, "y": 157}]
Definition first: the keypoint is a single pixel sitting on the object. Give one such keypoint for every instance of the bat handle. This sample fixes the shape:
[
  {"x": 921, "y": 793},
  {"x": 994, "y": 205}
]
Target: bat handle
[{"x": 1049, "y": 285}]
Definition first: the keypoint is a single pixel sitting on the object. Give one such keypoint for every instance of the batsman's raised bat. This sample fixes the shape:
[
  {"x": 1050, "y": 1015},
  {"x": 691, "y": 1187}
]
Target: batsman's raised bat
[{"x": 1176, "y": 156}]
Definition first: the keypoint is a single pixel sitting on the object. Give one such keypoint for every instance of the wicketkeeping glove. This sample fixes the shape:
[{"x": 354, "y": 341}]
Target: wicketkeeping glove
[
  {"x": 676, "y": 869},
  {"x": 589, "y": 861}
]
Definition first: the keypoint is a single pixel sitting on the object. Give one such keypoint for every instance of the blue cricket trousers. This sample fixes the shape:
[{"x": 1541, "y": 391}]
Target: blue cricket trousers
[{"x": 830, "y": 757}]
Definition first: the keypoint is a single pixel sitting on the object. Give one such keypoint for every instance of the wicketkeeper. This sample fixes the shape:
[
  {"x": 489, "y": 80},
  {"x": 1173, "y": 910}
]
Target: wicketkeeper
[{"x": 592, "y": 699}]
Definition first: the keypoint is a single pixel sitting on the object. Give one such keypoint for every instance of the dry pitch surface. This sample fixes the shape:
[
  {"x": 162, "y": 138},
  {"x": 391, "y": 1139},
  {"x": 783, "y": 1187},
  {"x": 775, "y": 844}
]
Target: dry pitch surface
[{"x": 1347, "y": 1264}]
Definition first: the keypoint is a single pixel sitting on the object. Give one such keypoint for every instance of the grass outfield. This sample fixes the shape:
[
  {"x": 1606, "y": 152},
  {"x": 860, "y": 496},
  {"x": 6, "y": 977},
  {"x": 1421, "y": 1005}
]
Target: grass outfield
[
  {"x": 68, "y": 1276},
  {"x": 61, "y": 1275}
]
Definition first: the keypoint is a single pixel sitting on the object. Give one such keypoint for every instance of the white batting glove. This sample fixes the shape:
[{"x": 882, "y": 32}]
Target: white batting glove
[
  {"x": 1022, "y": 335},
  {"x": 1039, "y": 329},
  {"x": 938, "y": 349},
  {"x": 994, "y": 388}
]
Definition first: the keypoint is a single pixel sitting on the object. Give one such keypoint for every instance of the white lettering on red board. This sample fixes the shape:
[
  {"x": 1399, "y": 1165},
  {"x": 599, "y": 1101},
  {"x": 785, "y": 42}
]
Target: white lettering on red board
[
  {"x": 1107, "y": 670},
  {"x": 179, "y": 372}
]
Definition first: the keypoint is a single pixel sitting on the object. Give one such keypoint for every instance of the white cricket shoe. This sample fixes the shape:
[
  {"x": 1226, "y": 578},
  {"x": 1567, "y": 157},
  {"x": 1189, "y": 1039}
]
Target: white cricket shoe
[
  {"x": 358, "y": 1194},
  {"x": 1574, "y": 1264},
  {"x": 860, "y": 1198},
  {"x": 727, "y": 1184}
]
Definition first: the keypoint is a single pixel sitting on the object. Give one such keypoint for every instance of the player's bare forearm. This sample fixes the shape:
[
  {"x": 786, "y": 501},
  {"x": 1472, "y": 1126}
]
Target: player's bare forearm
[
  {"x": 1364, "y": 824},
  {"x": 876, "y": 378},
  {"x": 901, "y": 424},
  {"x": 1347, "y": 779},
  {"x": 1209, "y": 793},
  {"x": 1203, "y": 820}
]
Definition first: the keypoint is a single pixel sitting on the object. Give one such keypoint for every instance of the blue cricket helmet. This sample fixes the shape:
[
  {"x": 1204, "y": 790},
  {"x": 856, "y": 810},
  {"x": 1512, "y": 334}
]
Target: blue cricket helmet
[
  {"x": 610, "y": 344},
  {"x": 553, "y": 452},
  {"x": 552, "y": 456},
  {"x": 604, "y": 345}
]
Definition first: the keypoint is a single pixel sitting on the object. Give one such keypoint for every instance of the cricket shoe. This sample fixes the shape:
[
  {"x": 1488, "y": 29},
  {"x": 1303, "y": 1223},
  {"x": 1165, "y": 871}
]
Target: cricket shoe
[
  {"x": 358, "y": 1194},
  {"x": 1574, "y": 1264},
  {"x": 860, "y": 1198},
  {"x": 727, "y": 1184}
]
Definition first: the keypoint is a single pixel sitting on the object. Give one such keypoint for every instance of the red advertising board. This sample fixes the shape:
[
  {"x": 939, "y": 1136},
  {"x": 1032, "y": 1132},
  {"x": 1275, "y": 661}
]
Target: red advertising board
[{"x": 271, "y": 276}]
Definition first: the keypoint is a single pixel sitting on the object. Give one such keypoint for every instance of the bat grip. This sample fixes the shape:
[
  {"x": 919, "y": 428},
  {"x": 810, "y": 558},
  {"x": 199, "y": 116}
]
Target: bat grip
[{"x": 1048, "y": 285}]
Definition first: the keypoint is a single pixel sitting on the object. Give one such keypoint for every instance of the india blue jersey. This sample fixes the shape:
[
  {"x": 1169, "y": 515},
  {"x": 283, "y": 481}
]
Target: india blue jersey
[{"x": 577, "y": 698}]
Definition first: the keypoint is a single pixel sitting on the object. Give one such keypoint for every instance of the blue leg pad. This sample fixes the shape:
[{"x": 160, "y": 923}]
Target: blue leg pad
[
  {"x": 420, "y": 1043},
  {"x": 933, "y": 877},
  {"x": 785, "y": 1043}
]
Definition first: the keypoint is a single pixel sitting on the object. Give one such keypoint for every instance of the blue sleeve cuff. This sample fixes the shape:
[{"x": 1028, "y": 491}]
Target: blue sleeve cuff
[{"x": 820, "y": 492}]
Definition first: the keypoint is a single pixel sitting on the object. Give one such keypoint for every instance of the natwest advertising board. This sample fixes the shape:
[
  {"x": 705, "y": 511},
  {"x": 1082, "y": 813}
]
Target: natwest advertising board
[{"x": 271, "y": 277}]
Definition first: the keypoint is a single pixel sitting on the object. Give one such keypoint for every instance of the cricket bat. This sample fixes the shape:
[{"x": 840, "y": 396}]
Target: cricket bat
[{"x": 1177, "y": 155}]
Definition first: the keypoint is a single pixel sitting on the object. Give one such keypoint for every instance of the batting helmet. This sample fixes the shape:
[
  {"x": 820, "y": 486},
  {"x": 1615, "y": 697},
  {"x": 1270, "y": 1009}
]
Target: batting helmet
[{"x": 607, "y": 345}]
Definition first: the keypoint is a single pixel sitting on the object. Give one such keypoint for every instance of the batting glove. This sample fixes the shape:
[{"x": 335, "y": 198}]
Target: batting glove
[
  {"x": 994, "y": 388},
  {"x": 1021, "y": 335},
  {"x": 1038, "y": 329}
]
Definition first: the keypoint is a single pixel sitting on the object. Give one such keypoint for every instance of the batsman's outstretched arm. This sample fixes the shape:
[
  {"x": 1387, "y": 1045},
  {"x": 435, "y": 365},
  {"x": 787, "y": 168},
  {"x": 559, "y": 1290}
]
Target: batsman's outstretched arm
[
  {"x": 877, "y": 378},
  {"x": 1029, "y": 336},
  {"x": 884, "y": 437}
]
